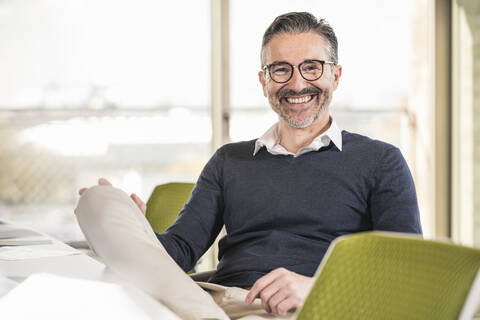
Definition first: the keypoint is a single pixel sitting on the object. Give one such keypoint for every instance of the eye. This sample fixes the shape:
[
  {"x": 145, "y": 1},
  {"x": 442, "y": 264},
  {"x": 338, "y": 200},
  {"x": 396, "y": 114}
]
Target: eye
[
  {"x": 311, "y": 67},
  {"x": 280, "y": 69}
]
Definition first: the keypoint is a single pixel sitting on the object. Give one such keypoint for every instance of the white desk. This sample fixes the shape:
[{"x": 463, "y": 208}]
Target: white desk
[{"x": 78, "y": 266}]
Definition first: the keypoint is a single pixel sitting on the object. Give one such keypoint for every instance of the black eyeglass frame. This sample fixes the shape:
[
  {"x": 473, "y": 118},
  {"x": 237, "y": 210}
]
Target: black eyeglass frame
[{"x": 299, "y": 67}]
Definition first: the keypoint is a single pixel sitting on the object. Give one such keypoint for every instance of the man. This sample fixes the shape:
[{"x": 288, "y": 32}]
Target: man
[{"x": 282, "y": 198}]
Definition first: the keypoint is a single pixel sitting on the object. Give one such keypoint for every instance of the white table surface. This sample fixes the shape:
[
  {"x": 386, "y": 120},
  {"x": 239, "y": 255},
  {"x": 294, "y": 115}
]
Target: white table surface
[{"x": 78, "y": 266}]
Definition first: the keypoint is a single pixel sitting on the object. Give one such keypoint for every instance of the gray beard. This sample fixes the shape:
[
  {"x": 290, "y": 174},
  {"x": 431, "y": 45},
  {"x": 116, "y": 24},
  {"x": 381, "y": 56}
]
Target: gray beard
[
  {"x": 302, "y": 125},
  {"x": 322, "y": 99}
]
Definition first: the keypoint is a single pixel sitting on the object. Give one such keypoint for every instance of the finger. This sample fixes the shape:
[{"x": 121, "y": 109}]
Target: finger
[
  {"x": 81, "y": 191},
  {"x": 266, "y": 307},
  {"x": 257, "y": 288},
  {"x": 104, "y": 182},
  {"x": 281, "y": 293},
  {"x": 265, "y": 295},
  {"x": 260, "y": 284},
  {"x": 270, "y": 291},
  {"x": 286, "y": 305},
  {"x": 139, "y": 202}
]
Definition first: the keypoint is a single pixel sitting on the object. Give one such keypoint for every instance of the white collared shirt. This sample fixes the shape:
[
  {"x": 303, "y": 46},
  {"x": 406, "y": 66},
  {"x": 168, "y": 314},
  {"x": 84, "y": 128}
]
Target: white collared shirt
[{"x": 271, "y": 140}]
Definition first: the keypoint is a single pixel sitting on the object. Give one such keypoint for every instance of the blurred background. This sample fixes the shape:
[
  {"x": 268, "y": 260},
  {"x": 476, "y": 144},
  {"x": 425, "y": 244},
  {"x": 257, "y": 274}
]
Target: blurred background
[{"x": 142, "y": 92}]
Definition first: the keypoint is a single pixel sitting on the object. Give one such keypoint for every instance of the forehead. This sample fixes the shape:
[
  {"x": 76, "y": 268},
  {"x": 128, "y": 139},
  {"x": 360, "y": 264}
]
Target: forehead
[{"x": 296, "y": 47}]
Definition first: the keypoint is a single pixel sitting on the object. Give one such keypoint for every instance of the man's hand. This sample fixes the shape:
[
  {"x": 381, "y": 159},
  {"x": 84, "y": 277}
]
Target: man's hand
[
  {"x": 135, "y": 198},
  {"x": 280, "y": 290},
  {"x": 101, "y": 182},
  {"x": 139, "y": 202}
]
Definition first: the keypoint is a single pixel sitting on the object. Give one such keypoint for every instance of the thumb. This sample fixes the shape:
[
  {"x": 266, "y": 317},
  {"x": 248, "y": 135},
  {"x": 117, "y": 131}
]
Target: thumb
[
  {"x": 139, "y": 202},
  {"x": 104, "y": 182}
]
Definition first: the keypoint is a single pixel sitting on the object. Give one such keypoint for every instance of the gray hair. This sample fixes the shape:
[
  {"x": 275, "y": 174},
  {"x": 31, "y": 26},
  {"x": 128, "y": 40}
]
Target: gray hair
[{"x": 300, "y": 22}]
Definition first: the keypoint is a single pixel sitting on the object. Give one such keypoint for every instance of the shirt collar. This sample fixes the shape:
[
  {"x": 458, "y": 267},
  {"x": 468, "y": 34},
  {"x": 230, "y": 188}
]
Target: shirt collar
[{"x": 271, "y": 140}]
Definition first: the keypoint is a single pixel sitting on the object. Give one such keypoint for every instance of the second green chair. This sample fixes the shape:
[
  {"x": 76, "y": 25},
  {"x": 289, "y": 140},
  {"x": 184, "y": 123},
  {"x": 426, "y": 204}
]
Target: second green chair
[{"x": 165, "y": 202}]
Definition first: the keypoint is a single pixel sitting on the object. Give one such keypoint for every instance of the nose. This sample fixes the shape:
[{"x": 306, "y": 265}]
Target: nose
[{"x": 297, "y": 82}]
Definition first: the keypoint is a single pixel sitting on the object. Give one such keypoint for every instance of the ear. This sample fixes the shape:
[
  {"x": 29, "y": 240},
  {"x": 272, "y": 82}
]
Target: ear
[
  {"x": 336, "y": 76},
  {"x": 261, "y": 78}
]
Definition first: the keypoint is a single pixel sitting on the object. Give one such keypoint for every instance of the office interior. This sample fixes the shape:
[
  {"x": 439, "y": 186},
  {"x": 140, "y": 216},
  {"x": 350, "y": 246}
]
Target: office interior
[{"x": 143, "y": 93}]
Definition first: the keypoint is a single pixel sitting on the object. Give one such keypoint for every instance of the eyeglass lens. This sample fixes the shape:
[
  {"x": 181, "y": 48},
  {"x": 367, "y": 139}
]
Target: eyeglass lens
[{"x": 282, "y": 72}]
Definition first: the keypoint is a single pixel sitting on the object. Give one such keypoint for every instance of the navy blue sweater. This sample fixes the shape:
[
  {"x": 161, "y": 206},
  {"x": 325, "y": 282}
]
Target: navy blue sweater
[{"x": 283, "y": 211}]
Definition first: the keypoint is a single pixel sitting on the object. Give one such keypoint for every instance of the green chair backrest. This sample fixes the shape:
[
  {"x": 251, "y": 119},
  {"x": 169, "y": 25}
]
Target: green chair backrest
[
  {"x": 382, "y": 275},
  {"x": 165, "y": 202}
]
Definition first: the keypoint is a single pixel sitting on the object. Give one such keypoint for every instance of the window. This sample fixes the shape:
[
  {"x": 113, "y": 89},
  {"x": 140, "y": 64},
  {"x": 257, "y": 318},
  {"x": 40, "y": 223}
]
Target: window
[
  {"x": 466, "y": 123},
  {"x": 121, "y": 89},
  {"x": 99, "y": 88},
  {"x": 382, "y": 49}
]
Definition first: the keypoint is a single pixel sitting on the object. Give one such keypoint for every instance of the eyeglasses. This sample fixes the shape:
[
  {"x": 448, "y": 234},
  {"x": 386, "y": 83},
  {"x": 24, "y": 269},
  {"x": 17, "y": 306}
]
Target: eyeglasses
[{"x": 310, "y": 70}]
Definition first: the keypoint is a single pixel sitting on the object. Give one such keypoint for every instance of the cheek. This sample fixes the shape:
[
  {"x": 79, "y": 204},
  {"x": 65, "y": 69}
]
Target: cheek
[
  {"x": 270, "y": 91},
  {"x": 326, "y": 97}
]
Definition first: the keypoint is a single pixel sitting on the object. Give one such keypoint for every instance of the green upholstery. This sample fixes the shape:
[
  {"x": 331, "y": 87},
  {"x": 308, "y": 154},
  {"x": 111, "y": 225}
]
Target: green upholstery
[
  {"x": 165, "y": 202},
  {"x": 380, "y": 275}
]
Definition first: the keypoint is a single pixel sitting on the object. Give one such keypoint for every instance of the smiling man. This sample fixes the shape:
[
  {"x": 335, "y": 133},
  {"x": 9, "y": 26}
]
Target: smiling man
[
  {"x": 302, "y": 98},
  {"x": 282, "y": 198}
]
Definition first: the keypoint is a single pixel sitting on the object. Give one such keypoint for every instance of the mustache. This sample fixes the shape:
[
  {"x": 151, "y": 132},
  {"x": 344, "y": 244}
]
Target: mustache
[{"x": 288, "y": 93}]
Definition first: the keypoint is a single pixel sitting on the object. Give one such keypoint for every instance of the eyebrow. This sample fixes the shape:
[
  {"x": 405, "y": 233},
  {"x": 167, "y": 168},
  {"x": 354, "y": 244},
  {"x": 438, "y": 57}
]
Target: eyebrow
[
  {"x": 306, "y": 60},
  {"x": 277, "y": 62}
]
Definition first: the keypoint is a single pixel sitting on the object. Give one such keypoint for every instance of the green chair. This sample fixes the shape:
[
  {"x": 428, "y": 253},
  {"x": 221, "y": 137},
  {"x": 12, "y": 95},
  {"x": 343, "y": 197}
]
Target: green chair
[
  {"x": 165, "y": 202},
  {"x": 385, "y": 275}
]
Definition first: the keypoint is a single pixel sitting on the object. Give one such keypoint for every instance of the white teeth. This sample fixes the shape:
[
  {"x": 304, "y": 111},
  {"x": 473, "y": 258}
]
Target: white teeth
[{"x": 299, "y": 100}]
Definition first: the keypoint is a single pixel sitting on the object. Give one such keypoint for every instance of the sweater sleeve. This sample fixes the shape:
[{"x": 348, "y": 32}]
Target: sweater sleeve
[
  {"x": 201, "y": 219},
  {"x": 393, "y": 200}
]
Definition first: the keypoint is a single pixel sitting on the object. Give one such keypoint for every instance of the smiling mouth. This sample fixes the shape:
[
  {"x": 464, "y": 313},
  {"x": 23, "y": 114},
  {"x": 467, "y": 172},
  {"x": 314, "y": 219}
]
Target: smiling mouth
[{"x": 297, "y": 100}]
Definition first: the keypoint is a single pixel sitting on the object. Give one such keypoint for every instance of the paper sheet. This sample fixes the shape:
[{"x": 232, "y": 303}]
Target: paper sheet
[
  {"x": 47, "y": 296},
  {"x": 31, "y": 252},
  {"x": 9, "y": 232},
  {"x": 6, "y": 285},
  {"x": 13, "y": 236},
  {"x": 24, "y": 241}
]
